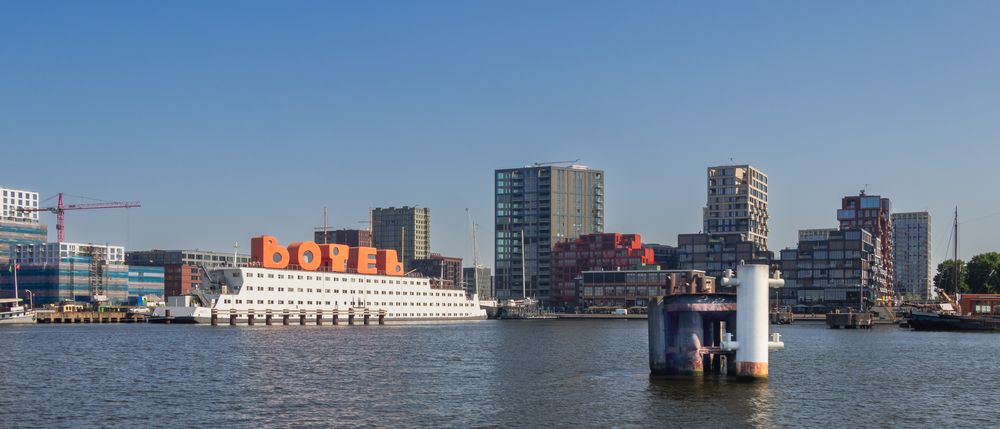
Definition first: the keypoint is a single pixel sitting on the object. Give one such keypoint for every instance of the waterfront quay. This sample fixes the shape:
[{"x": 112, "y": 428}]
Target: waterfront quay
[{"x": 89, "y": 317}]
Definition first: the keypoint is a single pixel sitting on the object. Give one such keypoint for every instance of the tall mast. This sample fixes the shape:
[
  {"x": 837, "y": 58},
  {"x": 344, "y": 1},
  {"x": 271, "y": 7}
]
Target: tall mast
[
  {"x": 325, "y": 233},
  {"x": 956, "y": 267}
]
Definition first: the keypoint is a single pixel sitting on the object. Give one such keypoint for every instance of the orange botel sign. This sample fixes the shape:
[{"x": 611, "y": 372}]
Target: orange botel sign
[{"x": 338, "y": 258}]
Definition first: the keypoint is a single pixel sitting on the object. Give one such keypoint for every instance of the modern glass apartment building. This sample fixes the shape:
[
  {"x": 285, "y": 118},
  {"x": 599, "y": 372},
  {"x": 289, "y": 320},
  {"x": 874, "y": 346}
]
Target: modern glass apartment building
[{"x": 536, "y": 207}]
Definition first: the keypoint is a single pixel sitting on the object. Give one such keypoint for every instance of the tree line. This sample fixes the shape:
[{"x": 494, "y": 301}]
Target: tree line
[{"x": 980, "y": 275}]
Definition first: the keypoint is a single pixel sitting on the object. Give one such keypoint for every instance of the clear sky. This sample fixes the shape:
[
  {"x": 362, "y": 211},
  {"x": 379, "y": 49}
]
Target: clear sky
[{"x": 233, "y": 118}]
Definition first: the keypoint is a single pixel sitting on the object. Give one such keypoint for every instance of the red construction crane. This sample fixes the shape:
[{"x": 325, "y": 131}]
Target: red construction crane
[{"x": 60, "y": 211}]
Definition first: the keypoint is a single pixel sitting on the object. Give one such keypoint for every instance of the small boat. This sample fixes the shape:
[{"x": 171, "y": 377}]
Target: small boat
[{"x": 12, "y": 312}]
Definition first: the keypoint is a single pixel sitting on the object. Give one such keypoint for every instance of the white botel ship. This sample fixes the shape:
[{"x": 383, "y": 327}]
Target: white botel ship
[
  {"x": 239, "y": 293},
  {"x": 242, "y": 291}
]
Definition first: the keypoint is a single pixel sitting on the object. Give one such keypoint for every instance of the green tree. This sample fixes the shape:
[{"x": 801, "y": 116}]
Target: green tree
[
  {"x": 945, "y": 277},
  {"x": 984, "y": 273}
]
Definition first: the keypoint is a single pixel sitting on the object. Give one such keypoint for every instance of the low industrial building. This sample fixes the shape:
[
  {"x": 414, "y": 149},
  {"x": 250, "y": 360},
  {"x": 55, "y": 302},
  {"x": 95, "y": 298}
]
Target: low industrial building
[
  {"x": 445, "y": 272},
  {"x": 145, "y": 282},
  {"x": 180, "y": 267},
  {"x": 349, "y": 237},
  {"x": 624, "y": 289}
]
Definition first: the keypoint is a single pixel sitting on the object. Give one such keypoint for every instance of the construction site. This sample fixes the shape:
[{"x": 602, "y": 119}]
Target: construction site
[{"x": 50, "y": 273}]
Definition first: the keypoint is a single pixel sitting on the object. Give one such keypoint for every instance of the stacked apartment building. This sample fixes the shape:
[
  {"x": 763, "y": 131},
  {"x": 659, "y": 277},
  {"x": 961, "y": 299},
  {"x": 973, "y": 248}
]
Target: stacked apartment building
[
  {"x": 735, "y": 222},
  {"x": 839, "y": 269}
]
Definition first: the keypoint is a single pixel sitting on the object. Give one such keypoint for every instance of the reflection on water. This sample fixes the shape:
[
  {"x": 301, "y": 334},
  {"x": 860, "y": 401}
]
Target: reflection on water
[
  {"x": 710, "y": 399},
  {"x": 545, "y": 373}
]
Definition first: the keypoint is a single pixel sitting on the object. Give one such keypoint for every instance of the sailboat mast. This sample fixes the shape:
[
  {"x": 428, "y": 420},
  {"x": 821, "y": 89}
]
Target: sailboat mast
[{"x": 956, "y": 267}]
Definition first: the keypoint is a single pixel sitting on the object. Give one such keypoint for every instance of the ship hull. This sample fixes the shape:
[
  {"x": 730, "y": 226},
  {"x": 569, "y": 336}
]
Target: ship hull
[{"x": 921, "y": 321}]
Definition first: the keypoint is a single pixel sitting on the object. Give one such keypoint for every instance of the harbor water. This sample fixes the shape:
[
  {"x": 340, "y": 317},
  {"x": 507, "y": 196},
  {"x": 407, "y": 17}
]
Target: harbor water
[{"x": 532, "y": 373}]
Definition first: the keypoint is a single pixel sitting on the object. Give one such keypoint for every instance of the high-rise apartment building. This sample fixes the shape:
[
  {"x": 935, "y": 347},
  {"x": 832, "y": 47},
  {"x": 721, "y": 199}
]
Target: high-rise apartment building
[
  {"x": 405, "y": 229},
  {"x": 911, "y": 238},
  {"x": 737, "y": 202},
  {"x": 874, "y": 214},
  {"x": 536, "y": 207}
]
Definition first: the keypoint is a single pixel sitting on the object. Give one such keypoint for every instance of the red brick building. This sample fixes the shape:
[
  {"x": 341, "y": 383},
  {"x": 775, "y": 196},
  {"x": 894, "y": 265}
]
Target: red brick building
[
  {"x": 445, "y": 271},
  {"x": 593, "y": 252}
]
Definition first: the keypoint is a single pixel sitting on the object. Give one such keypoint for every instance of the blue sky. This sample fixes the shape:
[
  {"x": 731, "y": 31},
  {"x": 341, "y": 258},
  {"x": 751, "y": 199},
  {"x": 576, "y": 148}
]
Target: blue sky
[{"x": 228, "y": 119}]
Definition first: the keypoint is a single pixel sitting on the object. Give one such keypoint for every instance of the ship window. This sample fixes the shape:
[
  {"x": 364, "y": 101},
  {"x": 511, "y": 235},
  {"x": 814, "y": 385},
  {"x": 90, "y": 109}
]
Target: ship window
[
  {"x": 300, "y": 302},
  {"x": 299, "y": 277},
  {"x": 281, "y": 302},
  {"x": 309, "y": 302},
  {"x": 270, "y": 289},
  {"x": 239, "y": 301},
  {"x": 300, "y": 289},
  {"x": 281, "y": 289},
  {"x": 260, "y": 275},
  {"x": 328, "y": 303},
  {"x": 270, "y": 301},
  {"x": 270, "y": 276},
  {"x": 225, "y": 301},
  {"x": 281, "y": 276},
  {"x": 309, "y": 290},
  {"x": 260, "y": 301}
]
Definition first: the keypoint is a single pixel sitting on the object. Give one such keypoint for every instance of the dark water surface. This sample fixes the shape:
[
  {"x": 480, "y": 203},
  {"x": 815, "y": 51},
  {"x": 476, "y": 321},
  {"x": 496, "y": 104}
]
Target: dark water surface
[{"x": 544, "y": 373}]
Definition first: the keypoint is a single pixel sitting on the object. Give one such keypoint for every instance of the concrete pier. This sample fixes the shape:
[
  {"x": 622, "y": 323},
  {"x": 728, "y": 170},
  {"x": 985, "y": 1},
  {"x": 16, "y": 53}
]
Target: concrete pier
[{"x": 691, "y": 334}]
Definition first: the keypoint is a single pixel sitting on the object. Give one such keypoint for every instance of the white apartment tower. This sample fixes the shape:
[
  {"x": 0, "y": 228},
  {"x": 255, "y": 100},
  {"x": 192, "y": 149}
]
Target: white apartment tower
[
  {"x": 737, "y": 202},
  {"x": 15, "y": 199},
  {"x": 912, "y": 254}
]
